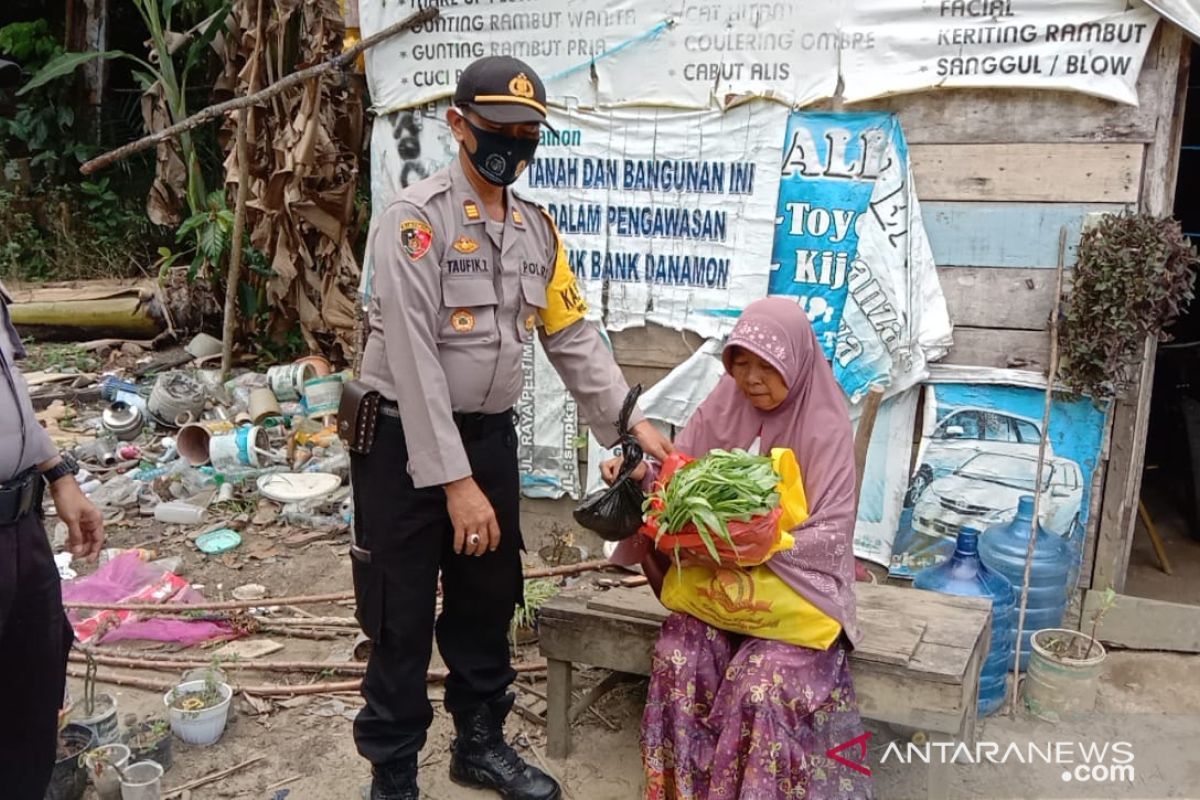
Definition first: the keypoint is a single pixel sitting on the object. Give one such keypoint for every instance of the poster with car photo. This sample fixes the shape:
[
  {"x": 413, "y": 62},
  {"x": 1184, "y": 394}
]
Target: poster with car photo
[{"x": 978, "y": 455}]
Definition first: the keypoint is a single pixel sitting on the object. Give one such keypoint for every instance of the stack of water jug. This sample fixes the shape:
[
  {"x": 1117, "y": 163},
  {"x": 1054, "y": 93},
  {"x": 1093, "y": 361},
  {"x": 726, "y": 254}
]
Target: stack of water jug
[{"x": 992, "y": 565}]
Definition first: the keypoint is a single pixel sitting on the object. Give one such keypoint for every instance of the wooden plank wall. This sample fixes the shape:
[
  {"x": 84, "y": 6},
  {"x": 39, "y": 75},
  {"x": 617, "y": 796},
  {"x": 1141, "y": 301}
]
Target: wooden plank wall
[{"x": 999, "y": 172}]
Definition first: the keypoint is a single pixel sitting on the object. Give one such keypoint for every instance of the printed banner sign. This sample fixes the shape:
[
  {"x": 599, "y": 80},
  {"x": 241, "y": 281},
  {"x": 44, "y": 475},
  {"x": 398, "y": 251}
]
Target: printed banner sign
[
  {"x": 667, "y": 216},
  {"x": 849, "y": 243},
  {"x": 978, "y": 455},
  {"x": 704, "y": 53}
]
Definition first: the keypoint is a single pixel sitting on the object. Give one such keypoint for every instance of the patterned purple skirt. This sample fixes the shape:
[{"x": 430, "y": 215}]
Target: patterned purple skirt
[{"x": 733, "y": 718}]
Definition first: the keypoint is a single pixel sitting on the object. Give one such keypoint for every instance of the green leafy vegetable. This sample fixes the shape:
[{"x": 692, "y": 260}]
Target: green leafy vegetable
[{"x": 711, "y": 492}]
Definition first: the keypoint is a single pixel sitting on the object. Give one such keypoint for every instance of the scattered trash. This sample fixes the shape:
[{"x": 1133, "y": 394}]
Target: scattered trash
[
  {"x": 176, "y": 399},
  {"x": 122, "y": 420},
  {"x": 219, "y": 541},
  {"x": 202, "y": 346},
  {"x": 322, "y": 396},
  {"x": 297, "y": 487},
  {"x": 63, "y": 562},
  {"x": 263, "y": 405},
  {"x": 244, "y": 649},
  {"x": 178, "y": 513},
  {"x": 287, "y": 380},
  {"x": 250, "y": 591},
  {"x": 243, "y": 447}
]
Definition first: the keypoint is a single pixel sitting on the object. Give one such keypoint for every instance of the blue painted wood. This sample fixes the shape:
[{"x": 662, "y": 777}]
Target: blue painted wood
[{"x": 1004, "y": 234}]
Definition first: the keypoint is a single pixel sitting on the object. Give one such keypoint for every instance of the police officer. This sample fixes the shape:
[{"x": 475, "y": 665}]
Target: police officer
[
  {"x": 34, "y": 633},
  {"x": 466, "y": 272}
]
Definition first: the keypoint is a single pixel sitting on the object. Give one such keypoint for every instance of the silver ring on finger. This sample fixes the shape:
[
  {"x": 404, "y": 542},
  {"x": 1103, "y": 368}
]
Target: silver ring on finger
[{"x": 473, "y": 539}]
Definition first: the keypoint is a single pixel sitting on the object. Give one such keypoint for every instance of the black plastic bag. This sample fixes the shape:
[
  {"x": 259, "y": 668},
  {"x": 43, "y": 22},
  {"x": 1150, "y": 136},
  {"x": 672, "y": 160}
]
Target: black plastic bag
[{"x": 616, "y": 513}]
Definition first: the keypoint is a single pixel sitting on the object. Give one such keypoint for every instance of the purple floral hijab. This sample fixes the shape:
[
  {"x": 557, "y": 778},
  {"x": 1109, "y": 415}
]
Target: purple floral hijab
[{"x": 814, "y": 422}]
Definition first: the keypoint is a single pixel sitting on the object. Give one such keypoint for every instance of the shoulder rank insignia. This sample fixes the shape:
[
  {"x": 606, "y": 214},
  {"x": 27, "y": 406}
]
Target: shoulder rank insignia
[
  {"x": 465, "y": 244},
  {"x": 470, "y": 209},
  {"x": 415, "y": 237},
  {"x": 517, "y": 218}
]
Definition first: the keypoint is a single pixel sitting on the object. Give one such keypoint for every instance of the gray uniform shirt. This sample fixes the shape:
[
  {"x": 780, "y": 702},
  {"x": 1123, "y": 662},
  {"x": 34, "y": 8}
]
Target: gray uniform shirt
[
  {"x": 23, "y": 442},
  {"x": 455, "y": 297}
]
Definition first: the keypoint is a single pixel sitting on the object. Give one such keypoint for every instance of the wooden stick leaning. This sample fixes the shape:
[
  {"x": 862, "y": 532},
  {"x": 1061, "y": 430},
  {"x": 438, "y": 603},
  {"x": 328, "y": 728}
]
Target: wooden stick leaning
[
  {"x": 235, "y": 254},
  {"x": 1051, "y": 374},
  {"x": 549, "y": 572},
  {"x": 338, "y": 62},
  {"x": 178, "y": 664}
]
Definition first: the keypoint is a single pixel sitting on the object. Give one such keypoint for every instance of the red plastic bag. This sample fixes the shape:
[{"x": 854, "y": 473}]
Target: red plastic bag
[{"x": 754, "y": 541}]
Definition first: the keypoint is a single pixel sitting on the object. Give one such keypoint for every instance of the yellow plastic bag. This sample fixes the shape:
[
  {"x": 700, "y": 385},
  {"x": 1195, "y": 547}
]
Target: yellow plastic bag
[{"x": 752, "y": 602}]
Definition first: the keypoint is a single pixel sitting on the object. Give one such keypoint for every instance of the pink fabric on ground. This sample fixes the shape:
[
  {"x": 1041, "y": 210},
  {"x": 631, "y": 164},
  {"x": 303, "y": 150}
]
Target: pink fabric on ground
[{"x": 127, "y": 578}]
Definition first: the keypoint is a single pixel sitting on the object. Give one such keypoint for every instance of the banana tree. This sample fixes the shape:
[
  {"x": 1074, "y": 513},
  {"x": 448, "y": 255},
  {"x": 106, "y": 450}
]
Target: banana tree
[{"x": 159, "y": 73}]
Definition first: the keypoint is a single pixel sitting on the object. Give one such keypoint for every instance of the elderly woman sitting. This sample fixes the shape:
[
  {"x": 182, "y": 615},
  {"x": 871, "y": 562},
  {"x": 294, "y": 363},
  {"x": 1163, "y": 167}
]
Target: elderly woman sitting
[{"x": 741, "y": 718}]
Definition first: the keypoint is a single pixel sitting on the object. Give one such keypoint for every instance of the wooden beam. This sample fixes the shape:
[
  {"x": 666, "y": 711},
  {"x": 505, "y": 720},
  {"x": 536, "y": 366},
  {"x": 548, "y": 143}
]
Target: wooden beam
[
  {"x": 1140, "y": 623},
  {"x": 1005, "y": 234},
  {"x": 1005, "y": 116},
  {"x": 995, "y": 297},
  {"x": 1056, "y": 173},
  {"x": 1131, "y": 414},
  {"x": 985, "y": 347}
]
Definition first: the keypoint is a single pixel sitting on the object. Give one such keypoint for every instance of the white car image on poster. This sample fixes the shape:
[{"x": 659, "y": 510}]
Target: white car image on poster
[{"x": 978, "y": 457}]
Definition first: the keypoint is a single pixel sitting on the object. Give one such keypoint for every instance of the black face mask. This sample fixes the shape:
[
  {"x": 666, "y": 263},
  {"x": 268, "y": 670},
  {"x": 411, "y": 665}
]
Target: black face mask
[{"x": 500, "y": 159}]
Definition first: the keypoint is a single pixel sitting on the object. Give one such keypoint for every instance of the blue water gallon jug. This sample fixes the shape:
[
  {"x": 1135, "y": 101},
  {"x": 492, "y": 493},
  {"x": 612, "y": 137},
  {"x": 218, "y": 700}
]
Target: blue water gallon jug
[
  {"x": 965, "y": 575},
  {"x": 1003, "y": 548}
]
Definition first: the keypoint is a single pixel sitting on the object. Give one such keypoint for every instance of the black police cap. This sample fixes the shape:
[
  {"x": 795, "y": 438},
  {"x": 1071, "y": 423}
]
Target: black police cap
[{"x": 503, "y": 90}]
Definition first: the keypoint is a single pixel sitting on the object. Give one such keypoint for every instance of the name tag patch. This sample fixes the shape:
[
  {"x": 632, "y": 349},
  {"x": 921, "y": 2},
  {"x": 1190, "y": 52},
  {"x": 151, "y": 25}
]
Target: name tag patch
[{"x": 466, "y": 266}]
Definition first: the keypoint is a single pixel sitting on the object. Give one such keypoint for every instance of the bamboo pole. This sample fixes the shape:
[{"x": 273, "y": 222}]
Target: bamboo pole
[
  {"x": 167, "y": 664},
  {"x": 1051, "y": 374},
  {"x": 268, "y": 690},
  {"x": 549, "y": 572},
  {"x": 338, "y": 62},
  {"x": 234, "y": 274}
]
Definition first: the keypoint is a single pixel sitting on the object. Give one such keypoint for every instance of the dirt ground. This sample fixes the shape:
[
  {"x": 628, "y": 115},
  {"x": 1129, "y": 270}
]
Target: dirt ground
[{"x": 1151, "y": 700}]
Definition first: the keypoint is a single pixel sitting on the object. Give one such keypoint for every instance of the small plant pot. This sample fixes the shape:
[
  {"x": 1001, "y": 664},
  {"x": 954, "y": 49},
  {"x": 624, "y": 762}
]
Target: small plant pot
[
  {"x": 201, "y": 726},
  {"x": 69, "y": 778},
  {"x": 100, "y": 764},
  {"x": 142, "y": 781},
  {"x": 146, "y": 745},
  {"x": 103, "y": 719},
  {"x": 1061, "y": 681}
]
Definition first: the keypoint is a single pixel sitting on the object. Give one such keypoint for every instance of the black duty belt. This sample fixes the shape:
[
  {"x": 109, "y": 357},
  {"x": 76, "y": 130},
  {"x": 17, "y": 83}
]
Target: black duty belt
[
  {"x": 470, "y": 426},
  {"x": 20, "y": 496}
]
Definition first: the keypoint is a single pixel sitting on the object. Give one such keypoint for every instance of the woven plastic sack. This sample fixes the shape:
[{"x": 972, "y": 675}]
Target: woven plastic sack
[{"x": 751, "y": 602}]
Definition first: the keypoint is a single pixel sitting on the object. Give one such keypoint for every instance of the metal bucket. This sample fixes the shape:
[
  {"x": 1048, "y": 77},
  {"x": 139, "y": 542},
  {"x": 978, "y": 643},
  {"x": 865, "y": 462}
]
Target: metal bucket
[
  {"x": 287, "y": 380},
  {"x": 176, "y": 399},
  {"x": 240, "y": 448},
  {"x": 122, "y": 420}
]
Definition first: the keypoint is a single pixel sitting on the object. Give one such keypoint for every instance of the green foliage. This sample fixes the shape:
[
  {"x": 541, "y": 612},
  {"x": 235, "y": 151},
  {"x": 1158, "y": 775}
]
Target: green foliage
[
  {"x": 1133, "y": 278},
  {"x": 65, "y": 232},
  {"x": 537, "y": 592},
  {"x": 41, "y": 126}
]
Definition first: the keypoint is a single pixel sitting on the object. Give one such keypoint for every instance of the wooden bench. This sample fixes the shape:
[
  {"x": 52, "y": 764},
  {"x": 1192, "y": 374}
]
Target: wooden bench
[{"x": 918, "y": 663}]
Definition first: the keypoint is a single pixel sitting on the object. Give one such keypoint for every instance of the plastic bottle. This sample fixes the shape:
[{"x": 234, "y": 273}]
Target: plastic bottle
[
  {"x": 178, "y": 512},
  {"x": 1003, "y": 548},
  {"x": 965, "y": 575}
]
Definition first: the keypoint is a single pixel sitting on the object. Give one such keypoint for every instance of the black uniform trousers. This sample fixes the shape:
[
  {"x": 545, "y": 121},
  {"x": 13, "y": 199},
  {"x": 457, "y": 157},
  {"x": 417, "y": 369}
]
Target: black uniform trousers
[
  {"x": 35, "y": 638},
  {"x": 410, "y": 539}
]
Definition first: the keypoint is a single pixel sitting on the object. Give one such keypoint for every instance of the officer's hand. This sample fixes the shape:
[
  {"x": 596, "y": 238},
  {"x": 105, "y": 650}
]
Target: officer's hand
[
  {"x": 610, "y": 469},
  {"x": 472, "y": 515},
  {"x": 652, "y": 441},
  {"x": 85, "y": 523}
]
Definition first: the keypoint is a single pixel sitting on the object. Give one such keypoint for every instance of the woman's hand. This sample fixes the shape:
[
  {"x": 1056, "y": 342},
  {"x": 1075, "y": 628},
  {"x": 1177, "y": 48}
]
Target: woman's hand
[{"x": 610, "y": 469}]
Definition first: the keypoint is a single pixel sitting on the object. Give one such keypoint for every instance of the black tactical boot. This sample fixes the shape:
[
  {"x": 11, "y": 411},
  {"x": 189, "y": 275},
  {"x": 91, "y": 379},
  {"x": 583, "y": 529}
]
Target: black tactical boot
[
  {"x": 481, "y": 759},
  {"x": 396, "y": 780}
]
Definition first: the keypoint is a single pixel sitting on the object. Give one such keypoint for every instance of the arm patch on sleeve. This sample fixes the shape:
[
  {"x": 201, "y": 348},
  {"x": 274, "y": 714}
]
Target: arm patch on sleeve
[{"x": 564, "y": 301}]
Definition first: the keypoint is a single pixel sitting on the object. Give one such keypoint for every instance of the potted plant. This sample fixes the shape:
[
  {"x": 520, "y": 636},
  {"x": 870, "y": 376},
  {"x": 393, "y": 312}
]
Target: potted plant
[
  {"x": 98, "y": 711},
  {"x": 149, "y": 740},
  {"x": 199, "y": 709},
  {"x": 1133, "y": 276},
  {"x": 104, "y": 765},
  {"x": 69, "y": 778},
  {"x": 1061, "y": 679},
  {"x": 523, "y": 629}
]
